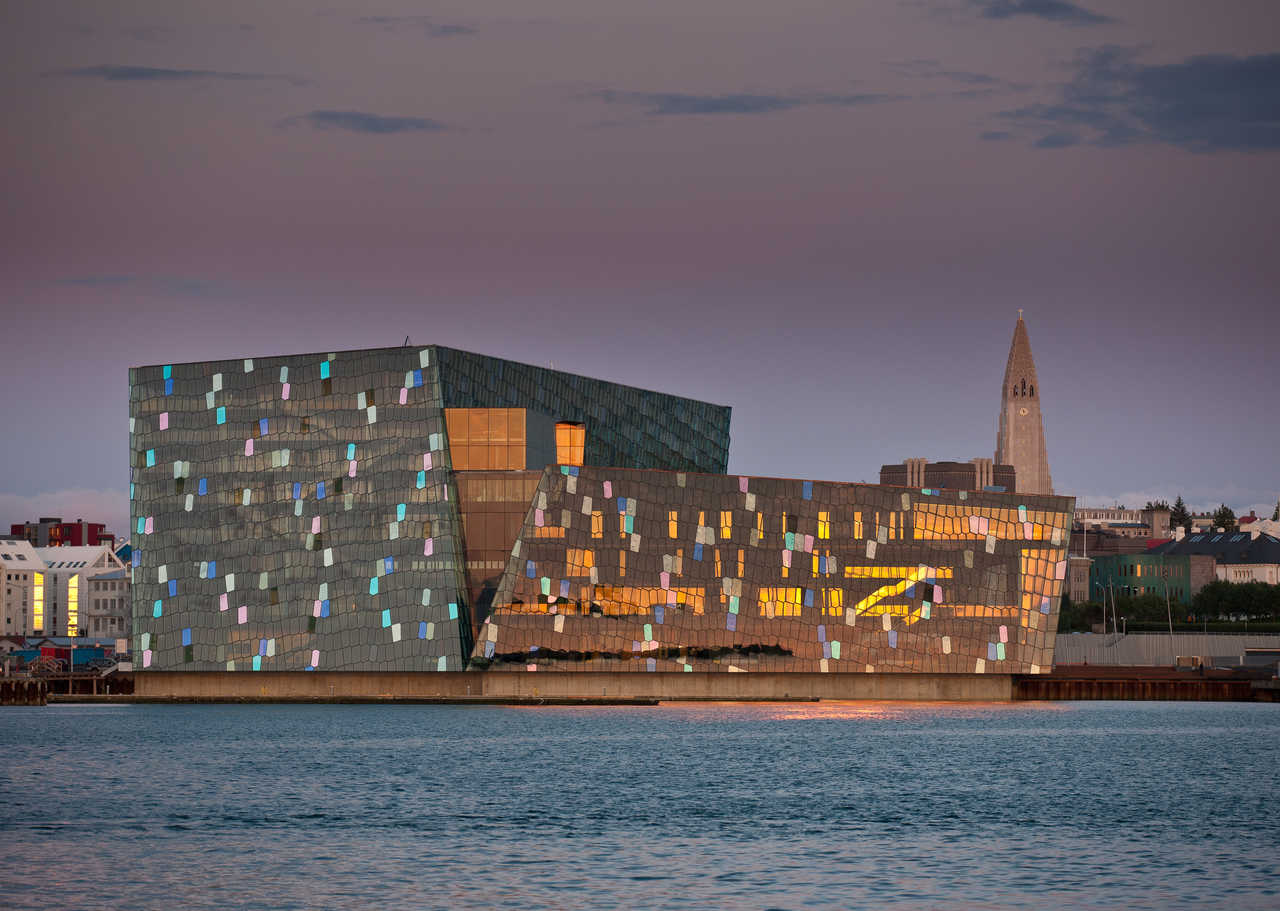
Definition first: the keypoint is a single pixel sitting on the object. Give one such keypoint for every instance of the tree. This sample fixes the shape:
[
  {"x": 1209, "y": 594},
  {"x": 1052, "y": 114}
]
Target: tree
[
  {"x": 1179, "y": 515},
  {"x": 1224, "y": 517},
  {"x": 1157, "y": 504}
]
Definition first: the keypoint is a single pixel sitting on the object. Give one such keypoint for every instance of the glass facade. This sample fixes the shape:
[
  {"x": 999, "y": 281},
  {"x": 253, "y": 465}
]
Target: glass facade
[
  {"x": 672, "y": 571},
  {"x": 303, "y": 512},
  {"x": 424, "y": 509}
]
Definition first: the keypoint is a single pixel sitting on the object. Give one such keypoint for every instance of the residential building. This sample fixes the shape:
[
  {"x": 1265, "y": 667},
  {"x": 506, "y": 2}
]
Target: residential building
[
  {"x": 53, "y": 532},
  {"x": 1239, "y": 555},
  {"x": 67, "y": 571},
  {"x": 105, "y": 608},
  {"x": 22, "y": 611},
  {"x": 1129, "y": 523}
]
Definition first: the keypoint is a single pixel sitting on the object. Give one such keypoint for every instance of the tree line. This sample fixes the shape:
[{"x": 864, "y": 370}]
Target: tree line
[{"x": 1217, "y": 603}]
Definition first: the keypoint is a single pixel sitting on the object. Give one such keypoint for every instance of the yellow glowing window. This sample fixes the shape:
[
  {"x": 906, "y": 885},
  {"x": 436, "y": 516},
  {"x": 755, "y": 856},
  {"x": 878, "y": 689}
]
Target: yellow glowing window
[
  {"x": 37, "y": 601},
  {"x": 824, "y": 525},
  {"x": 760, "y": 525},
  {"x": 578, "y": 560},
  {"x": 623, "y": 600},
  {"x": 719, "y": 572},
  {"x": 673, "y": 523},
  {"x": 486, "y": 438},
  {"x": 549, "y": 531},
  {"x": 780, "y": 602},
  {"x": 833, "y": 602},
  {"x": 73, "y": 604},
  {"x": 726, "y": 523},
  {"x": 742, "y": 562},
  {"x": 857, "y": 525},
  {"x": 622, "y": 563},
  {"x": 597, "y": 525},
  {"x": 571, "y": 440}
]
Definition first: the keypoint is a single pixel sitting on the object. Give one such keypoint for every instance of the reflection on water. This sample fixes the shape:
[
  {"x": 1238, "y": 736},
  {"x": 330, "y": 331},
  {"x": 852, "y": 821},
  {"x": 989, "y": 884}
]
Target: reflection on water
[{"x": 1148, "y": 805}]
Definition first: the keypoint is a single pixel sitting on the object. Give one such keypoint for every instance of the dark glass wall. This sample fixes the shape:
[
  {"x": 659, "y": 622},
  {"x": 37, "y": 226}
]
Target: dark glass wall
[
  {"x": 625, "y": 426},
  {"x": 293, "y": 513}
]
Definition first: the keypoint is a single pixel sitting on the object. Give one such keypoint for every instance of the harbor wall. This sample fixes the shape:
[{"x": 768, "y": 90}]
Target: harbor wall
[
  {"x": 1154, "y": 649},
  {"x": 336, "y": 685}
]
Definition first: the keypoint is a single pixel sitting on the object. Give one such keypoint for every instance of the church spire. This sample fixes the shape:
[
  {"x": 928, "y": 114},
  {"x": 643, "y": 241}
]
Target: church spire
[{"x": 1020, "y": 436}]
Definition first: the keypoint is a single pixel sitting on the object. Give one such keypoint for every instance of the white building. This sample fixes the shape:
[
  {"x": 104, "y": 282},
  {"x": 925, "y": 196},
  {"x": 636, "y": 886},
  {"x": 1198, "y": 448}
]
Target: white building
[
  {"x": 66, "y": 584},
  {"x": 22, "y": 598},
  {"x": 104, "y": 604},
  {"x": 1131, "y": 523}
]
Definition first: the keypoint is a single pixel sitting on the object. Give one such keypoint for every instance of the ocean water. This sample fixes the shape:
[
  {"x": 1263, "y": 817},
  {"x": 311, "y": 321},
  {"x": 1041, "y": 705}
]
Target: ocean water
[{"x": 1044, "y": 805}]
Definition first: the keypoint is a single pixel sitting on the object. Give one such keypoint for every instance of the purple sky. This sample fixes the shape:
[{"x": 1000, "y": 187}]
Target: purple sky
[{"x": 824, "y": 216}]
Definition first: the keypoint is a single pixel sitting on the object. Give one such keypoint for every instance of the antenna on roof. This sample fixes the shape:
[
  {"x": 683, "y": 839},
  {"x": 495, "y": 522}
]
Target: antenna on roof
[{"x": 406, "y": 341}]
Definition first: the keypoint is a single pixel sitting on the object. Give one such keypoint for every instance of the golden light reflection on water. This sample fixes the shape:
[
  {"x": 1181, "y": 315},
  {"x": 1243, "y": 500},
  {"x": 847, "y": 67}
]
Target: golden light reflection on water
[
  {"x": 824, "y": 710},
  {"x": 852, "y": 710}
]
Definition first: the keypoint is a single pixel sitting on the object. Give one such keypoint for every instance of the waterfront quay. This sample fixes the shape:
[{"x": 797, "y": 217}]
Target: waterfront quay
[{"x": 1072, "y": 683}]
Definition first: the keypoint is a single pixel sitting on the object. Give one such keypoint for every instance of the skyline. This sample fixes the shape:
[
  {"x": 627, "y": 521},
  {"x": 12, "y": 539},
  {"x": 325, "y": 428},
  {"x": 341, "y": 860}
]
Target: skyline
[{"x": 826, "y": 219}]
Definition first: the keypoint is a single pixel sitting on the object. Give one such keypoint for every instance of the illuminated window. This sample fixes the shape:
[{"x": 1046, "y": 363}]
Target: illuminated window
[
  {"x": 832, "y": 602},
  {"x": 741, "y": 562},
  {"x": 486, "y": 439},
  {"x": 37, "y": 602},
  {"x": 570, "y": 442},
  {"x": 824, "y": 525},
  {"x": 780, "y": 602},
  {"x": 578, "y": 561},
  {"x": 857, "y": 525},
  {"x": 597, "y": 525},
  {"x": 622, "y": 563},
  {"x": 73, "y": 604},
  {"x": 620, "y": 600},
  {"x": 726, "y": 523},
  {"x": 673, "y": 525}
]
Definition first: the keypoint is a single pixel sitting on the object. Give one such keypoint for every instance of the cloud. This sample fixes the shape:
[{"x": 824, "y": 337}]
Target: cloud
[
  {"x": 1050, "y": 10},
  {"x": 661, "y": 104},
  {"x": 930, "y": 69},
  {"x": 995, "y": 135},
  {"x": 116, "y": 73},
  {"x": 363, "y": 122},
  {"x": 1204, "y": 104},
  {"x": 423, "y": 24}
]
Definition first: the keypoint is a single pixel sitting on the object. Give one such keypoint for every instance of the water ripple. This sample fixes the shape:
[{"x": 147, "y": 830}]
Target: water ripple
[{"x": 1093, "y": 805}]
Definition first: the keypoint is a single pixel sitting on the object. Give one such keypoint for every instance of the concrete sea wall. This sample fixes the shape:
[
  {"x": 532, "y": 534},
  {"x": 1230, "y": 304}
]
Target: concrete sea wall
[{"x": 316, "y": 685}]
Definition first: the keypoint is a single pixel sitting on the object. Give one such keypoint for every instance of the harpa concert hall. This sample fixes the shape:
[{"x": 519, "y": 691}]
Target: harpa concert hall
[{"x": 337, "y": 523}]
